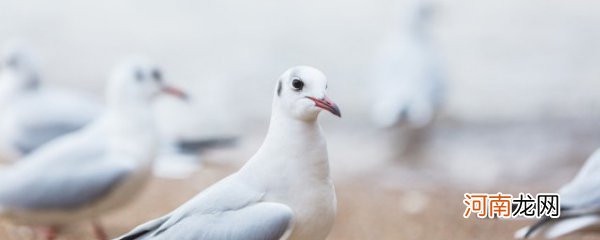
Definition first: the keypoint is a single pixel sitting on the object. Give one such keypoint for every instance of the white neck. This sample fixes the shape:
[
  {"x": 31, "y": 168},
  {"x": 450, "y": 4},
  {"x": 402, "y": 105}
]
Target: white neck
[
  {"x": 132, "y": 131},
  {"x": 8, "y": 90},
  {"x": 293, "y": 149}
]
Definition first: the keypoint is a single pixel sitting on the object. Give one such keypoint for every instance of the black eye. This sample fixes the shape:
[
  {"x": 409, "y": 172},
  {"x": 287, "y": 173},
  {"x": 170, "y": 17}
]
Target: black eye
[
  {"x": 157, "y": 75},
  {"x": 297, "y": 84}
]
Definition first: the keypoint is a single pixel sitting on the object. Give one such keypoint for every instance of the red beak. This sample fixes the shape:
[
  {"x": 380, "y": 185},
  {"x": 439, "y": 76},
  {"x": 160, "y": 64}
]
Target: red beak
[
  {"x": 174, "y": 92},
  {"x": 327, "y": 104}
]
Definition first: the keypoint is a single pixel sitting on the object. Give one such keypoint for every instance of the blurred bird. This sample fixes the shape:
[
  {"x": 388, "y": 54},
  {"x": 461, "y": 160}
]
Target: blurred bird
[
  {"x": 283, "y": 192},
  {"x": 32, "y": 113},
  {"x": 407, "y": 81},
  {"x": 99, "y": 168},
  {"x": 579, "y": 204}
]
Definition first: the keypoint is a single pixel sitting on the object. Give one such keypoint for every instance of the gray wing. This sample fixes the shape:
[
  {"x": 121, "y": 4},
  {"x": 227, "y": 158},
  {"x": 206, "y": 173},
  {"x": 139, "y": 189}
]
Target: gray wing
[
  {"x": 260, "y": 221},
  {"x": 32, "y": 137},
  {"x": 584, "y": 190},
  {"x": 145, "y": 228},
  {"x": 200, "y": 145},
  {"x": 554, "y": 228},
  {"x": 580, "y": 204},
  {"x": 60, "y": 189}
]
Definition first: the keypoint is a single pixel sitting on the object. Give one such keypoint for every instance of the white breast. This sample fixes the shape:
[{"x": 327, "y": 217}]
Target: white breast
[{"x": 314, "y": 208}]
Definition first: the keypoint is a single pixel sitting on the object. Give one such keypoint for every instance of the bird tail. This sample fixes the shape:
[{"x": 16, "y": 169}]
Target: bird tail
[
  {"x": 570, "y": 221},
  {"x": 570, "y": 225},
  {"x": 532, "y": 230},
  {"x": 200, "y": 145},
  {"x": 135, "y": 235},
  {"x": 143, "y": 230}
]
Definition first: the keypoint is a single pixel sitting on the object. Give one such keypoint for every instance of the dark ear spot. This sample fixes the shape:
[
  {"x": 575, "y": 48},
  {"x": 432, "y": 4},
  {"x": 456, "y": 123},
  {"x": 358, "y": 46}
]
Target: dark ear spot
[
  {"x": 279, "y": 88},
  {"x": 139, "y": 75}
]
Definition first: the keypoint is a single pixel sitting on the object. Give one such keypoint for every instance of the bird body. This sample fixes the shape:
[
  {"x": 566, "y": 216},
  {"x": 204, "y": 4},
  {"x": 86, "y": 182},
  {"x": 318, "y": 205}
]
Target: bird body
[
  {"x": 283, "y": 192},
  {"x": 579, "y": 202},
  {"x": 84, "y": 174},
  {"x": 307, "y": 177},
  {"x": 95, "y": 181},
  {"x": 407, "y": 77},
  {"x": 33, "y": 113},
  {"x": 37, "y": 117}
]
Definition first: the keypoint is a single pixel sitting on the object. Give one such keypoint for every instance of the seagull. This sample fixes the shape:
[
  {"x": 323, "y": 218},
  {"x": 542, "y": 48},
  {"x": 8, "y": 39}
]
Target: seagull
[
  {"x": 99, "y": 168},
  {"x": 32, "y": 113},
  {"x": 283, "y": 192},
  {"x": 579, "y": 204},
  {"x": 406, "y": 75}
]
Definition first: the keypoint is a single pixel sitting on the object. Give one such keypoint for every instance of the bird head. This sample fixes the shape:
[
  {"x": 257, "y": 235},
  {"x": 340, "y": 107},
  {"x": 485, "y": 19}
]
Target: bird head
[
  {"x": 139, "y": 80},
  {"x": 301, "y": 92}
]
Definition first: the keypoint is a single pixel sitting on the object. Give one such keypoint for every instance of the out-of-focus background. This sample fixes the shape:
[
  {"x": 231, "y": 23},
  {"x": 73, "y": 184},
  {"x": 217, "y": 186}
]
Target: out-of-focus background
[{"x": 520, "y": 113}]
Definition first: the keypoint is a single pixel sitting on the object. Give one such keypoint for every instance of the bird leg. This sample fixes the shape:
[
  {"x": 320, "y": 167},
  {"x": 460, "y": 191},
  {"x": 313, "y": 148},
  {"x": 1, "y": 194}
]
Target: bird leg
[{"x": 99, "y": 230}]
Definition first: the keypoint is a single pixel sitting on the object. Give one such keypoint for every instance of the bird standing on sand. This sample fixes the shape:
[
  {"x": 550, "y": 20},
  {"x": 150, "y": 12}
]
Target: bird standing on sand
[
  {"x": 99, "y": 168},
  {"x": 579, "y": 204},
  {"x": 283, "y": 192},
  {"x": 32, "y": 113}
]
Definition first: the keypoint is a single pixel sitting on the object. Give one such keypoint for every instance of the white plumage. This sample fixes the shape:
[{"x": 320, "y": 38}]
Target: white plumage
[
  {"x": 580, "y": 205},
  {"x": 31, "y": 112},
  {"x": 99, "y": 168},
  {"x": 283, "y": 192},
  {"x": 406, "y": 79}
]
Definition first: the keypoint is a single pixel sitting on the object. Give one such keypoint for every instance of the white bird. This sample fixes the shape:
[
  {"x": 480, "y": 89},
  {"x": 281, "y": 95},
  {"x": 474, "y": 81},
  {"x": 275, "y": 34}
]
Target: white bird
[
  {"x": 283, "y": 192},
  {"x": 99, "y": 168},
  {"x": 579, "y": 203},
  {"x": 32, "y": 113},
  {"x": 407, "y": 80}
]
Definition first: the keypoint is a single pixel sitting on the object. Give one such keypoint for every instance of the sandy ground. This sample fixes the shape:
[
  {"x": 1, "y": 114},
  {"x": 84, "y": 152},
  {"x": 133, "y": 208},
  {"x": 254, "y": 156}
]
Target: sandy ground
[{"x": 365, "y": 212}]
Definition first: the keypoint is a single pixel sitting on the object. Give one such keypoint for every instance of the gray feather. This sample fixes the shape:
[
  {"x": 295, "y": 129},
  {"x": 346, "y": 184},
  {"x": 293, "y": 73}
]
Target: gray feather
[
  {"x": 57, "y": 189},
  {"x": 34, "y": 137},
  {"x": 197, "y": 146},
  {"x": 68, "y": 173},
  {"x": 261, "y": 221}
]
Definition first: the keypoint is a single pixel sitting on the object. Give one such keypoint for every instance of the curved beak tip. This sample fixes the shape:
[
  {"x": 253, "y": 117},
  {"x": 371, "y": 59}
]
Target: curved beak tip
[
  {"x": 326, "y": 104},
  {"x": 336, "y": 111}
]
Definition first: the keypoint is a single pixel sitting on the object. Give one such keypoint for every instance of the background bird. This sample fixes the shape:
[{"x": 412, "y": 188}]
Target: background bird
[
  {"x": 579, "y": 203},
  {"x": 407, "y": 80},
  {"x": 180, "y": 158},
  {"x": 33, "y": 113},
  {"x": 284, "y": 190},
  {"x": 86, "y": 173}
]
